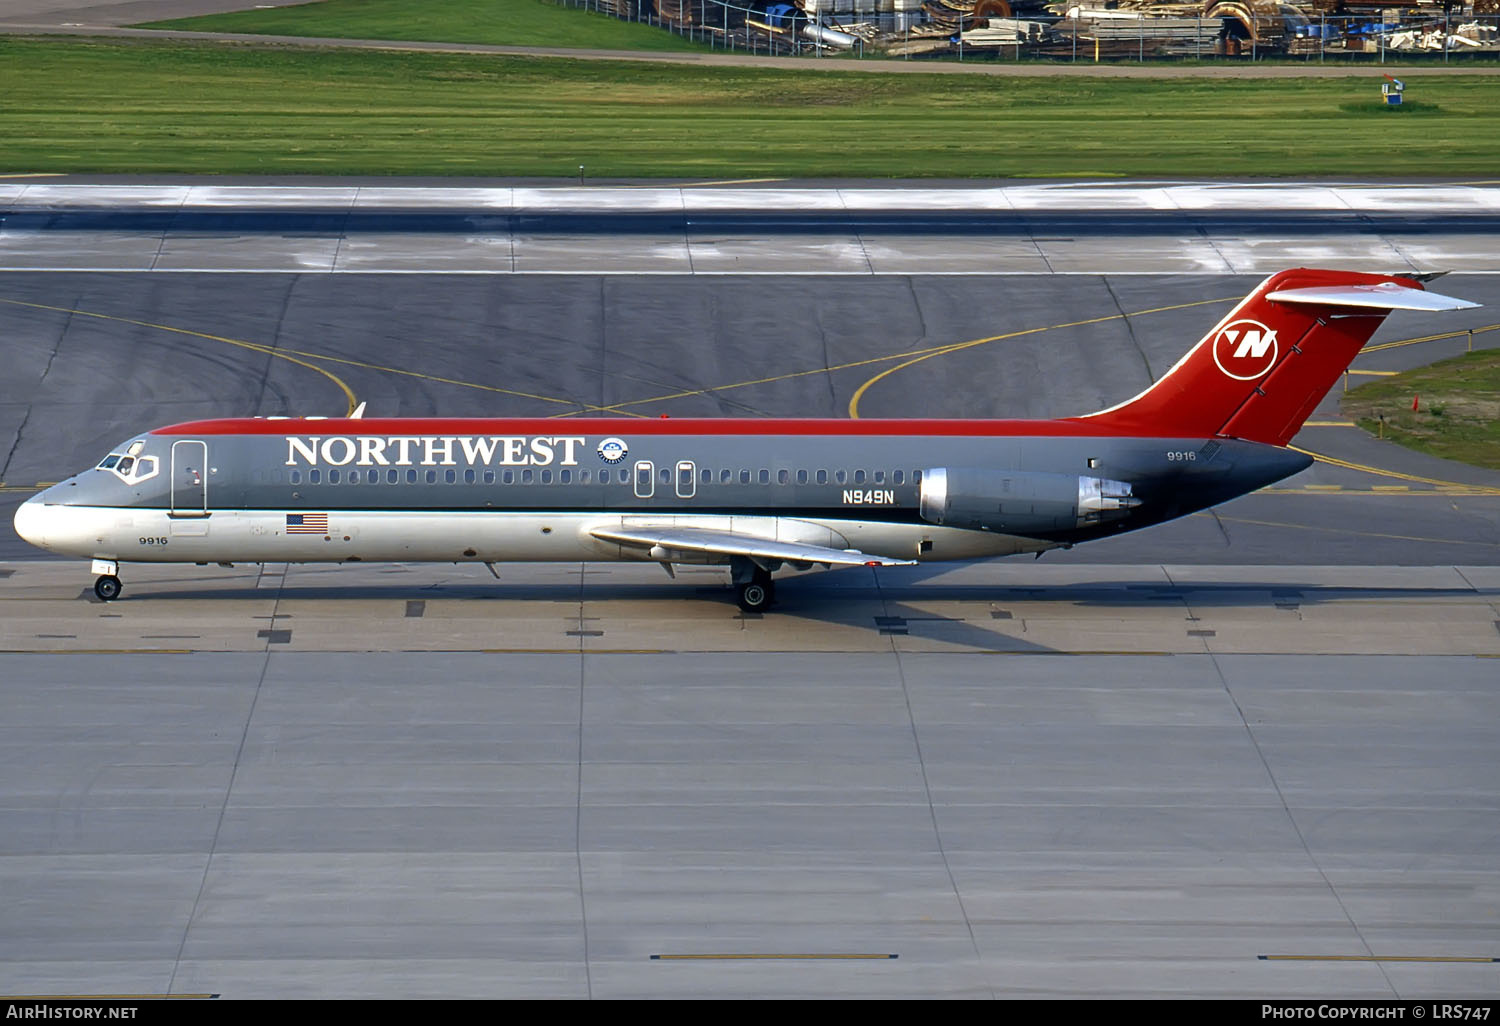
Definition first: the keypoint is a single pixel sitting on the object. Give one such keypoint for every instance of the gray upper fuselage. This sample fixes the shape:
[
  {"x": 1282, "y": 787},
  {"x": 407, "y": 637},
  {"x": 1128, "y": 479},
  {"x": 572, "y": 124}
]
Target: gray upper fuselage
[{"x": 809, "y": 469}]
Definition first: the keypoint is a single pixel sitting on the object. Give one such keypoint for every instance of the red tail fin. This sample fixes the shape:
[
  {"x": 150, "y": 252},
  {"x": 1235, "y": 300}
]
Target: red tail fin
[{"x": 1262, "y": 369}]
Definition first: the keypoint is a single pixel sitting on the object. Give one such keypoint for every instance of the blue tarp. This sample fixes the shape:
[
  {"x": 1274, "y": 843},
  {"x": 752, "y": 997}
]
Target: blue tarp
[{"x": 780, "y": 15}]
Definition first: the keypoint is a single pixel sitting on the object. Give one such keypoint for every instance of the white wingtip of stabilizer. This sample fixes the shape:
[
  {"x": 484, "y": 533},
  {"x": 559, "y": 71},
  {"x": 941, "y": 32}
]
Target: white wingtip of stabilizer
[{"x": 1384, "y": 296}]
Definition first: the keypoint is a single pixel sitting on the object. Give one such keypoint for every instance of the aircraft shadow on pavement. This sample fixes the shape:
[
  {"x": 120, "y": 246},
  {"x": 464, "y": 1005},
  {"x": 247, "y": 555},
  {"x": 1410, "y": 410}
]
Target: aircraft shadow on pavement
[{"x": 904, "y": 608}]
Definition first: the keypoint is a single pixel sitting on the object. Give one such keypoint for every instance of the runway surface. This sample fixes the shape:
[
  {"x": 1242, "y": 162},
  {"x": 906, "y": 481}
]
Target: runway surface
[
  {"x": 766, "y": 228},
  {"x": 1133, "y": 769}
]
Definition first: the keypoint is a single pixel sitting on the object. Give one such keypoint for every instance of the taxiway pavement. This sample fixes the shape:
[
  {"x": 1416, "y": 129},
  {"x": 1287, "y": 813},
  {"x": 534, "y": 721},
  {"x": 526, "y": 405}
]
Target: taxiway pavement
[{"x": 1131, "y": 770}]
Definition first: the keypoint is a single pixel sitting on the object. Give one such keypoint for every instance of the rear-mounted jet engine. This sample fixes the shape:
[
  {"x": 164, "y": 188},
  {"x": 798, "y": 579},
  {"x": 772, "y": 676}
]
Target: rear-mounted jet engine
[{"x": 1021, "y": 502}]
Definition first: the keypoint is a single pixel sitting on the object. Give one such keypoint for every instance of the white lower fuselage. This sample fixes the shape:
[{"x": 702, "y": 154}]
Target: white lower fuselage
[{"x": 253, "y": 536}]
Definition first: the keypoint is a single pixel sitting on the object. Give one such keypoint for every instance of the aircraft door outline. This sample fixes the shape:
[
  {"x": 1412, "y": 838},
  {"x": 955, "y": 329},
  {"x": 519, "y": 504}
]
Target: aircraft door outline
[{"x": 189, "y": 478}]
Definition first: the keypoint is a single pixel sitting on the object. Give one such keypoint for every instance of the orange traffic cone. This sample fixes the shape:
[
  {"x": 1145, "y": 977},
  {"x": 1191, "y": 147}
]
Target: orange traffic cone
[{"x": 1415, "y": 402}]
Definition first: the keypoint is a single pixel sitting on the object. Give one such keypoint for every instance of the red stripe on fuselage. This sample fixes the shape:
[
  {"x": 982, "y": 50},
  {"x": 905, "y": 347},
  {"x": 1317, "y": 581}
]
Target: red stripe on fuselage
[{"x": 659, "y": 427}]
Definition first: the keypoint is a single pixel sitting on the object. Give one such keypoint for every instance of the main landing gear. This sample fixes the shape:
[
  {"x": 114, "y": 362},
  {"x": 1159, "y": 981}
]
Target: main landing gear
[
  {"x": 753, "y": 587},
  {"x": 107, "y": 585}
]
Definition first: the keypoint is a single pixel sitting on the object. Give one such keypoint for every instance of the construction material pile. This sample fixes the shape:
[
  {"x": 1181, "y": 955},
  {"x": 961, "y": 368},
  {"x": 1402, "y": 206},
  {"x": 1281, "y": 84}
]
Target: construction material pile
[
  {"x": 1089, "y": 29},
  {"x": 1142, "y": 29}
]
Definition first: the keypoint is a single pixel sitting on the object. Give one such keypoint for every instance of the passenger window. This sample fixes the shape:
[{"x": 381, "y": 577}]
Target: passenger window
[
  {"x": 372, "y": 476},
  {"x": 508, "y": 477},
  {"x": 839, "y": 476},
  {"x": 859, "y": 477},
  {"x": 916, "y": 477},
  {"x": 334, "y": 477},
  {"x": 565, "y": 476},
  {"x": 724, "y": 477},
  {"x": 432, "y": 477},
  {"x": 315, "y": 476},
  {"x": 450, "y": 476},
  {"x": 896, "y": 477},
  {"x": 822, "y": 477},
  {"x": 744, "y": 477},
  {"x": 296, "y": 476},
  {"x": 526, "y": 476},
  {"x": 765, "y": 477},
  {"x": 802, "y": 477},
  {"x": 489, "y": 477},
  {"x": 411, "y": 477},
  {"x": 583, "y": 477},
  {"x": 470, "y": 476},
  {"x": 546, "y": 477},
  {"x": 706, "y": 476},
  {"x": 392, "y": 476},
  {"x": 604, "y": 477},
  {"x": 782, "y": 477},
  {"x": 880, "y": 477}
]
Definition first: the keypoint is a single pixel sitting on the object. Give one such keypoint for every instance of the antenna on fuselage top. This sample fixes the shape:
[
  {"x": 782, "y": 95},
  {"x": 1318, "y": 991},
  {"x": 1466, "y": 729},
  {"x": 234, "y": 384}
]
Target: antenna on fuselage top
[{"x": 359, "y": 411}]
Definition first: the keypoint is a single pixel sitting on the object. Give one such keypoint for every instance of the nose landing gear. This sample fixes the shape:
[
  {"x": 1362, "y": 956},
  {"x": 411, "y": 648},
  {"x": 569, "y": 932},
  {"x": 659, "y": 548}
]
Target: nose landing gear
[{"x": 107, "y": 586}]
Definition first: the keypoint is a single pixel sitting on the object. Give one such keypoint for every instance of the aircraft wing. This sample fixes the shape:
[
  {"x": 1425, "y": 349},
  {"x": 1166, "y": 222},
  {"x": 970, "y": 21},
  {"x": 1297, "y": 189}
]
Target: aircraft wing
[{"x": 729, "y": 543}]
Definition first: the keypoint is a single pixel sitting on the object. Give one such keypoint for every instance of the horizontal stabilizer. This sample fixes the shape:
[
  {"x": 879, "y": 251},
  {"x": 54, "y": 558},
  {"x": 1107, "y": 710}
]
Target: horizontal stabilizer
[
  {"x": 1384, "y": 296},
  {"x": 730, "y": 543}
]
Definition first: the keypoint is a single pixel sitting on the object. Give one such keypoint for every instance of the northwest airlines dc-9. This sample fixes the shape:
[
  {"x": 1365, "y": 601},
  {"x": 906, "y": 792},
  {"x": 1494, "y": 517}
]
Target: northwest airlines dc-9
[{"x": 755, "y": 495}]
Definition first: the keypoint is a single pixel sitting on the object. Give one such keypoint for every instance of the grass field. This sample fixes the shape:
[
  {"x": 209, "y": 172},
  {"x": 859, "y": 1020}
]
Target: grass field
[
  {"x": 151, "y": 106},
  {"x": 498, "y": 22},
  {"x": 1458, "y": 414}
]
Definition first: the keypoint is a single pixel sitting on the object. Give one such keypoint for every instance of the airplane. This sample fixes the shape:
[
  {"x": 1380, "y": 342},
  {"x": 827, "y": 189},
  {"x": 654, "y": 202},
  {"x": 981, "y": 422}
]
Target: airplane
[{"x": 755, "y": 494}]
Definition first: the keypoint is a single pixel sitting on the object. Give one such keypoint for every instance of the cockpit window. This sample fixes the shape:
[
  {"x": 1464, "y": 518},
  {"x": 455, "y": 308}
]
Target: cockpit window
[{"x": 130, "y": 469}]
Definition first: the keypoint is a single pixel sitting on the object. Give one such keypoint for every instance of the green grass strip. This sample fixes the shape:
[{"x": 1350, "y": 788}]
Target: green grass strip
[
  {"x": 148, "y": 106},
  {"x": 1458, "y": 408},
  {"x": 496, "y": 22}
]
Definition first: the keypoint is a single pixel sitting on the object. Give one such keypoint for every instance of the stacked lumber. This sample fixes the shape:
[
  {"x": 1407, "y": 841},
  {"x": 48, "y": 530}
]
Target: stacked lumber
[
  {"x": 918, "y": 46},
  {"x": 1007, "y": 32},
  {"x": 678, "y": 12},
  {"x": 1156, "y": 31}
]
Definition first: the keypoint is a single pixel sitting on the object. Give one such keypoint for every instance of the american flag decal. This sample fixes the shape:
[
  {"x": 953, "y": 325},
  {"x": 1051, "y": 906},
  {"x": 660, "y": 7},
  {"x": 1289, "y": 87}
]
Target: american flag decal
[{"x": 307, "y": 523}]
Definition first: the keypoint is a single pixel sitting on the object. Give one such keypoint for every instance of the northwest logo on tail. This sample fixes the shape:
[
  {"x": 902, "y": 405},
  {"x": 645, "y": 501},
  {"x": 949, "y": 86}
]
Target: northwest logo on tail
[{"x": 1245, "y": 350}]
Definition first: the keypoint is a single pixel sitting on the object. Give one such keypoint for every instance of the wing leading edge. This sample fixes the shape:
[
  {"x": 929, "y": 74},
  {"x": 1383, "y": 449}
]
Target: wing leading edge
[{"x": 664, "y": 541}]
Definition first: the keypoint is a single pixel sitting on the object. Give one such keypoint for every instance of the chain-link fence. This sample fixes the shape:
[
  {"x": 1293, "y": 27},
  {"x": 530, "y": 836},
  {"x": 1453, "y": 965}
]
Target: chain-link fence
[
  {"x": 773, "y": 28},
  {"x": 904, "y": 28}
]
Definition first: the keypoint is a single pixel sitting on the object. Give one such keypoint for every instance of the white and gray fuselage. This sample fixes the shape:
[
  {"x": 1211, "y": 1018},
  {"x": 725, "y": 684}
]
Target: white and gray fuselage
[{"x": 274, "y": 490}]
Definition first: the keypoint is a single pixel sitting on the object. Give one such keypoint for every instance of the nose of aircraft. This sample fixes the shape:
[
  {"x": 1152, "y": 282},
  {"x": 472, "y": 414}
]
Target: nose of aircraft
[{"x": 30, "y": 521}]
